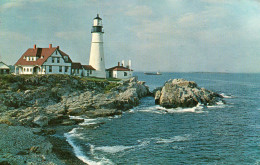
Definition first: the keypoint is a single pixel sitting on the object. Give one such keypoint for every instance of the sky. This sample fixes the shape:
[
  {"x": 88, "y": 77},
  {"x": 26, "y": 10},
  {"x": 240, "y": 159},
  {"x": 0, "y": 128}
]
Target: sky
[{"x": 157, "y": 35}]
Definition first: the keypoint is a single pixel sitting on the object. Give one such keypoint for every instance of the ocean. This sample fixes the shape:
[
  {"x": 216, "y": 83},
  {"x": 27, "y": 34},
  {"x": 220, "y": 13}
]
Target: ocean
[{"x": 147, "y": 134}]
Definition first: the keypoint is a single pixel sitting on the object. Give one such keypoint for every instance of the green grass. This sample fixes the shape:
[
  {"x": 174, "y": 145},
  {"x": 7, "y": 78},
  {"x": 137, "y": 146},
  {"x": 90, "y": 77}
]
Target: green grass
[
  {"x": 110, "y": 86},
  {"x": 96, "y": 79}
]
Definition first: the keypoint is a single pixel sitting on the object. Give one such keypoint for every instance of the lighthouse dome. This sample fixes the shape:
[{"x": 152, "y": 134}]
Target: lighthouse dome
[
  {"x": 97, "y": 25},
  {"x": 98, "y": 17}
]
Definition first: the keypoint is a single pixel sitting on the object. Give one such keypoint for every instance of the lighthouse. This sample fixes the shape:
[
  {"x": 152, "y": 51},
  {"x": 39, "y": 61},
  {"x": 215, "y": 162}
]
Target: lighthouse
[{"x": 96, "y": 59}]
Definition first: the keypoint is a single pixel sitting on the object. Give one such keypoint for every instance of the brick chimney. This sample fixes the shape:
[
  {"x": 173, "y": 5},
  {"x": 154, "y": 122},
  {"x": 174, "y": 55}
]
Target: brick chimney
[
  {"x": 58, "y": 47},
  {"x": 118, "y": 64},
  {"x": 34, "y": 46},
  {"x": 50, "y": 45}
]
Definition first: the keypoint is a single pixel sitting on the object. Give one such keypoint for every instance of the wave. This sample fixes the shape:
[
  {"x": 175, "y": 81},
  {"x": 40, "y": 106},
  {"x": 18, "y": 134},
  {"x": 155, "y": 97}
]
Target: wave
[
  {"x": 173, "y": 139},
  {"x": 196, "y": 109},
  {"x": 86, "y": 120},
  {"x": 113, "y": 149},
  {"x": 149, "y": 109},
  {"x": 219, "y": 104},
  {"x": 226, "y": 96},
  {"x": 79, "y": 152},
  {"x": 89, "y": 122},
  {"x": 119, "y": 148}
]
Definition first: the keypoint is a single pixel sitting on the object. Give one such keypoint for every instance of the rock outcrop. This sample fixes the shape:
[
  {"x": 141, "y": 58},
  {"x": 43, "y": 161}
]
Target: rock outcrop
[
  {"x": 41, "y": 101},
  {"x": 46, "y": 104},
  {"x": 19, "y": 145},
  {"x": 183, "y": 93}
]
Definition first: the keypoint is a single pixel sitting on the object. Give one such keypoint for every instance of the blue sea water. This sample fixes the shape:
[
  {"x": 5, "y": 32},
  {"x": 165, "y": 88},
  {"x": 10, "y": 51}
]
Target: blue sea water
[{"x": 147, "y": 134}]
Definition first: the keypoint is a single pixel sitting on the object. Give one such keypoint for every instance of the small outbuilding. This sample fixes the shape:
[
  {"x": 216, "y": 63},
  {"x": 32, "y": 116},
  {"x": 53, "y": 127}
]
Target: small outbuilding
[
  {"x": 119, "y": 72},
  {"x": 4, "y": 69}
]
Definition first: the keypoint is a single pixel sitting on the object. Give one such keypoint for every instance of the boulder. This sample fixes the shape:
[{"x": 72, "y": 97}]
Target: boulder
[
  {"x": 183, "y": 93},
  {"x": 75, "y": 111},
  {"x": 41, "y": 121}
]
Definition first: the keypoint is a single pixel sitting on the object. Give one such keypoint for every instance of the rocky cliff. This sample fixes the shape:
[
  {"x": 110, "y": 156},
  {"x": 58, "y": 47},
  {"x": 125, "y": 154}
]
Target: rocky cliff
[
  {"x": 50, "y": 99},
  {"x": 183, "y": 93},
  {"x": 45, "y": 103}
]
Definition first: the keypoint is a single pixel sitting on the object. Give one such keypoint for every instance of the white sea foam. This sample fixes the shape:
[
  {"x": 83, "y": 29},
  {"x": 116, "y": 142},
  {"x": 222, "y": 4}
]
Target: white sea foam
[
  {"x": 226, "y": 96},
  {"x": 144, "y": 143},
  {"x": 80, "y": 154},
  {"x": 119, "y": 148},
  {"x": 173, "y": 139},
  {"x": 219, "y": 104},
  {"x": 89, "y": 122},
  {"x": 197, "y": 109},
  {"x": 86, "y": 120},
  {"x": 114, "y": 117},
  {"x": 151, "y": 109},
  {"x": 113, "y": 149},
  {"x": 76, "y": 117}
]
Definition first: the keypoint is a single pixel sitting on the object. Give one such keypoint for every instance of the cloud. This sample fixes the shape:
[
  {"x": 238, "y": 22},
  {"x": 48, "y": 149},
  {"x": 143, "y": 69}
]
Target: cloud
[
  {"x": 10, "y": 5},
  {"x": 216, "y": 1},
  {"x": 139, "y": 11},
  {"x": 8, "y": 35},
  {"x": 16, "y": 3}
]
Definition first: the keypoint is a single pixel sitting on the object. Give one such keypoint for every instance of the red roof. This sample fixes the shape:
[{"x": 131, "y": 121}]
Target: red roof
[
  {"x": 88, "y": 67},
  {"x": 119, "y": 68},
  {"x": 39, "y": 52},
  {"x": 64, "y": 54},
  {"x": 76, "y": 65}
]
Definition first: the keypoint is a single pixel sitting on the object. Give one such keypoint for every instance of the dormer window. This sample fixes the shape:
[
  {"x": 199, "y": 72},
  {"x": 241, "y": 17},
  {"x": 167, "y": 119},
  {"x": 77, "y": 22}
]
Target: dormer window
[
  {"x": 58, "y": 60},
  {"x": 42, "y": 56},
  {"x": 52, "y": 60}
]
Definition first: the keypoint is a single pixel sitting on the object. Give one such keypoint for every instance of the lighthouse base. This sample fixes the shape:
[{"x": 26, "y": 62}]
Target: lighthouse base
[{"x": 99, "y": 74}]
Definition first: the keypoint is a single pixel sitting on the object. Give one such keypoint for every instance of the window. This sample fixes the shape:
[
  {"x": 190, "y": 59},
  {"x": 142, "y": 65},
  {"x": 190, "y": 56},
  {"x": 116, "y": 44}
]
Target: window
[
  {"x": 56, "y": 51},
  {"x": 125, "y": 73},
  {"x": 42, "y": 56},
  {"x": 53, "y": 59},
  {"x": 90, "y": 71},
  {"x": 30, "y": 69},
  {"x": 27, "y": 69},
  {"x": 24, "y": 69},
  {"x": 77, "y": 71},
  {"x": 66, "y": 58},
  {"x": 60, "y": 69},
  {"x": 24, "y": 57},
  {"x": 58, "y": 60},
  {"x": 66, "y": 68},
  {"x": 50, "y": 68}
]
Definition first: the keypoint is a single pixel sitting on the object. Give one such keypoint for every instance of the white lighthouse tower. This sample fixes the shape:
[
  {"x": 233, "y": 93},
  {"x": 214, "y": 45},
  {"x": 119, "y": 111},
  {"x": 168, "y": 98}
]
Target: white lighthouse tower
[{"x": 96, "y": 59}]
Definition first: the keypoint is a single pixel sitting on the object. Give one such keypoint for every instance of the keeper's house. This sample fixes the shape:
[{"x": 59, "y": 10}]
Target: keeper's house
[{"x": 50, "y": 61}]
